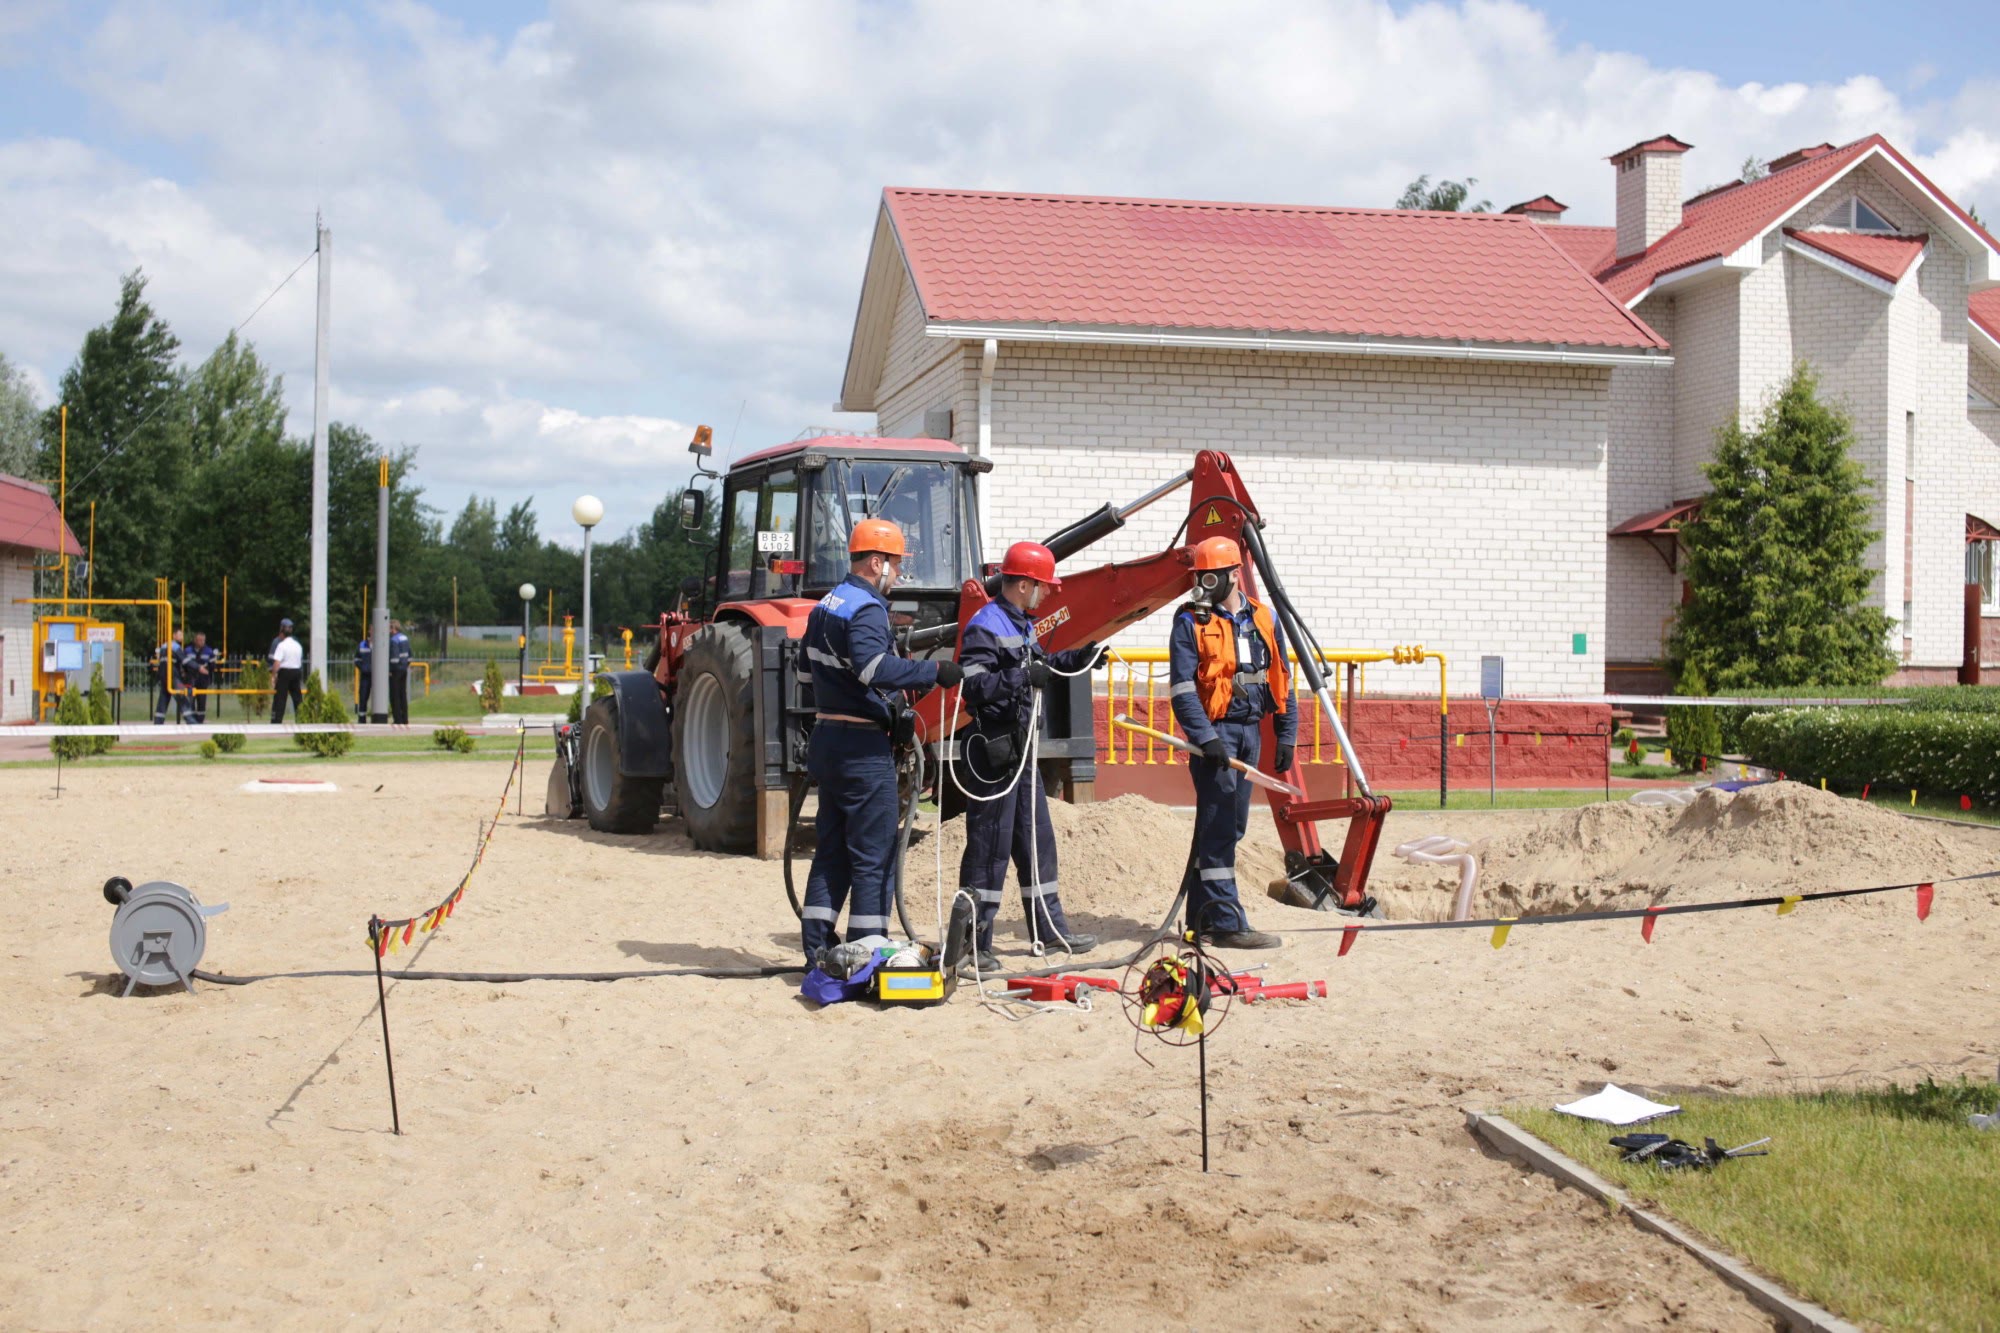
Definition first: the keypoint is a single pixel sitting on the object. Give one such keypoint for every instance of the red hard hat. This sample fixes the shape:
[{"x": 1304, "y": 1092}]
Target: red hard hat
[
  {"x": 875, "y": 534},
  {"x": 1217, "y": 553},
  {"x": 1031, "y": 560}
]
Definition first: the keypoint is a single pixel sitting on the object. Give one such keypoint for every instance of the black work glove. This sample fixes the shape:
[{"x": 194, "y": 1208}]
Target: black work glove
[
  {"x": 1099, "y": 657},
  {"x": 949, "y": 673},
  {"x": 1215, "y": 751},
  {"x": 1038, "y": 674},
  {"x": 1282, "y": 763}
]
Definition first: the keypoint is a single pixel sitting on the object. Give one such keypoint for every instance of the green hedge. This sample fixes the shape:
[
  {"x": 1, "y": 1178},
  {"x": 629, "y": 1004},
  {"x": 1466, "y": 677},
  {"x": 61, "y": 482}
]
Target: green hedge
[
  {"x": 1922, "y": 699},
  {"x": 1945, "y": 753}
]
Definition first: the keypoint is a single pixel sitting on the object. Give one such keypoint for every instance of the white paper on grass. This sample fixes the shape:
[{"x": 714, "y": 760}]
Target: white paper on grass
[{"x": 1615, "y": 1106}]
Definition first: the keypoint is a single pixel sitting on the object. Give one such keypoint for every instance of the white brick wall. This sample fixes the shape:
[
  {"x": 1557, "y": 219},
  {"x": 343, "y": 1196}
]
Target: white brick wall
[
  {"x": 17, "y": 634},
  {"x": 1459, "y": 506},
  {"x": 1640, "y": 591},
  {"x": 1648, "y": 200},
  {"x": 1706, "y": 379}
]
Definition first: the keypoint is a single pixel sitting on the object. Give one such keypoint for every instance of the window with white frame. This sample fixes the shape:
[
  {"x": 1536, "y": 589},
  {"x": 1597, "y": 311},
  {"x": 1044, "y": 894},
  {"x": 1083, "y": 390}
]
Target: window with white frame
[
  {"x": 1855, "y": 215},
  {"x": 1980, "y": 558}
]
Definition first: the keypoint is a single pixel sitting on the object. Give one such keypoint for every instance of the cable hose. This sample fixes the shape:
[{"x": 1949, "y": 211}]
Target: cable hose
[{"x": 716, "y": 973}]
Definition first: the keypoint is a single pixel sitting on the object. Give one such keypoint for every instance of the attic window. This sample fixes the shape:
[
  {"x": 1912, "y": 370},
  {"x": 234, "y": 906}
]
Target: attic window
[{"x": 1857, "y": 216}]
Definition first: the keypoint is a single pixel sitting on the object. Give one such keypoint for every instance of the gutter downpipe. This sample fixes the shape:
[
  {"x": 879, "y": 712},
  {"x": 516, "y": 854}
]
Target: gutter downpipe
[{"x": 987, "y": 356}]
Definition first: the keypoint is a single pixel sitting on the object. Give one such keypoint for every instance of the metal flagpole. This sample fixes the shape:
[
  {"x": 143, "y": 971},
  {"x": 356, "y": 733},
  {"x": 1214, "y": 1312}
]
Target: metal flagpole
[
  {"x": 378, "y": 660},
  {"x": 316, "y": 617}
]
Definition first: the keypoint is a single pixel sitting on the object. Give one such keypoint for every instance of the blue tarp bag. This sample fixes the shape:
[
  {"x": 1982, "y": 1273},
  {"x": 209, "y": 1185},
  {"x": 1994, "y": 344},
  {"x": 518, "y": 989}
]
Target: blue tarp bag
[{"x": 822, "y": 988}]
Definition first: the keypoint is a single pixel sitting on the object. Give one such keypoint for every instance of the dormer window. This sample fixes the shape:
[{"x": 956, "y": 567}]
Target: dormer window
[{"x": 1855, "y": 215}]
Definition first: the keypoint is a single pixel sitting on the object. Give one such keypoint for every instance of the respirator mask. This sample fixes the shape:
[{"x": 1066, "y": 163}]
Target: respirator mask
[{"x": 1215, "y": 585}]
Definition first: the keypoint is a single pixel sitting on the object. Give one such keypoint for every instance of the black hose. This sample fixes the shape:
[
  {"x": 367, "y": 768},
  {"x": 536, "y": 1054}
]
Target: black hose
[
  {"x": 800, "y": 785},
  {"x": 717, "y": 973}
]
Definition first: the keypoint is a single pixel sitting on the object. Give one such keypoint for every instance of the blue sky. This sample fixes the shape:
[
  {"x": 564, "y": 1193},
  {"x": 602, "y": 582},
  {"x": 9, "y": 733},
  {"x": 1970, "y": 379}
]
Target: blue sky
[{"x": 565, "y": 233}]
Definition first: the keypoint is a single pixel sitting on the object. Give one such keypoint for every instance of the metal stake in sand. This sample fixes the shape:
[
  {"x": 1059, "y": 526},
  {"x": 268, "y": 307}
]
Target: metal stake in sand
[
  {"x": 520, "y": 762},
  {"x": 1201, "y": 1054},
  {"x": 382, "y": 1003}
]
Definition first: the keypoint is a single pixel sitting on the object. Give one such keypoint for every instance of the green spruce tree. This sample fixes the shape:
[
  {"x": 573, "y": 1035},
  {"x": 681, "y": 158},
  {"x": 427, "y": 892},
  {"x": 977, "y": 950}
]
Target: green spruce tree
[
  {"x": 1692, "y": 732},
  {"x": 100, "y": 711},
  {"x": 1776, "y": 565}
]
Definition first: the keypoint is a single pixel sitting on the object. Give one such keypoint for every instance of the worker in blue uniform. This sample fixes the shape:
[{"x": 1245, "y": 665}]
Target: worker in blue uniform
[
  {"x": 856, "y": 676},
  {"x": 364, "y": 664},
  {"x": 167, "y": 672},
  {"x": 198, "y": 677},
  {"x": 1007, "y": 817},
  {"x": 1226, "y": 664},
  {"x": 399, "y": 674}
]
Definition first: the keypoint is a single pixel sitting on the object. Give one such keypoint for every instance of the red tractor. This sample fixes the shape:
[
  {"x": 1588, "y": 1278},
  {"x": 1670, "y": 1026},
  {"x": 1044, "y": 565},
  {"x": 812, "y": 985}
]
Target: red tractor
[{"x": 716, "y": 724}]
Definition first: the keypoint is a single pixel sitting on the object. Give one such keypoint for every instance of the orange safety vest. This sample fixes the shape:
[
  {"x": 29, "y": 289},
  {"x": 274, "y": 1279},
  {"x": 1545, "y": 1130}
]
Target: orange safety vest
[{"x": 1215, "y": 658}]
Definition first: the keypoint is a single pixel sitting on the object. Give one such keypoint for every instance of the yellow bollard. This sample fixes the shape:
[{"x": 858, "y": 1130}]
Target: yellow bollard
[{"x": 1149, "y": 712}]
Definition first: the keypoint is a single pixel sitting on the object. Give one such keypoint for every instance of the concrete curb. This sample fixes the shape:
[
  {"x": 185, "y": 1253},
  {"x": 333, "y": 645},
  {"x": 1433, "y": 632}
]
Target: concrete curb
[{"x": 1511, "y": 1140}]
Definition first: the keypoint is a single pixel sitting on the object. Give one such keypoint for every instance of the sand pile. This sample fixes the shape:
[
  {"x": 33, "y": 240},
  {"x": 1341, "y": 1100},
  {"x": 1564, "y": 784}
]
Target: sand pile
[{"x": 1781, "y": 836}]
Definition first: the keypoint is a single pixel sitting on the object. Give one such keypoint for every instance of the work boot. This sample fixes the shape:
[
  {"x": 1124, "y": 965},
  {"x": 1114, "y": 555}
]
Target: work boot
[
  {"x": 1241, "y": 939},
  {"x": 987, "y": 964},
  {"x": 1078, "y": 941}
]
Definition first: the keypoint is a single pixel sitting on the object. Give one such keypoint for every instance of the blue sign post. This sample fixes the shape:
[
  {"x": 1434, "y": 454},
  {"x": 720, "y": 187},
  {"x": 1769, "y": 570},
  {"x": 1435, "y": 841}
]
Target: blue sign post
[{"x": 1492, "y": 684}]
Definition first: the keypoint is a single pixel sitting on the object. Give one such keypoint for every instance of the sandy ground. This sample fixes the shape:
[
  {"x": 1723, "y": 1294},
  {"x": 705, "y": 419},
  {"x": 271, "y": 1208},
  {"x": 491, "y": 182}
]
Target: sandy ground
[{"x": 717, "y": 1153}]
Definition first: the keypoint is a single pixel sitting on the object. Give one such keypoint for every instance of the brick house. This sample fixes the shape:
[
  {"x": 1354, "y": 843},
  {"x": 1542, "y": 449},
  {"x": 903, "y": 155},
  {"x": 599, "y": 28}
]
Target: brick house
[
  {"x": 1476, "y": 432},
  {"x": 30, "y": 530}
]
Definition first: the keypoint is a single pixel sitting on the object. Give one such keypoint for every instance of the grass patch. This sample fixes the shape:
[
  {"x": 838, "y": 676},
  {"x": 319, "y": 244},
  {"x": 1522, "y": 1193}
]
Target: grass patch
[
  {"x": 457, "y": 702},
  {"x": 1882, "y": 1204},
  {"x": 1520, "y": 798}
]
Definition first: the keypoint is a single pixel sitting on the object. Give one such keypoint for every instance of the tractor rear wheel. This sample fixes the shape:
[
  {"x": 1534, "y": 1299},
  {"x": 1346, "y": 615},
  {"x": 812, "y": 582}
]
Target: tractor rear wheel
[
  {"x": 615, "y": 803},
  {"x": 715, "y": 741}
]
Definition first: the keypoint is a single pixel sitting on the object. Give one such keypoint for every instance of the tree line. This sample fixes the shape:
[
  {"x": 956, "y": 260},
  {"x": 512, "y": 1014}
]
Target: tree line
[{"x": 196, "y": 480}]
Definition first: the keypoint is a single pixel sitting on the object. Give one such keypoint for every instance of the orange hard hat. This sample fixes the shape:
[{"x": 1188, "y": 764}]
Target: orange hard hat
[
  {"x": 1217, "y": 553},
  {"x": 875, "y": 534},
  {"x": 1031, "y": 560}
]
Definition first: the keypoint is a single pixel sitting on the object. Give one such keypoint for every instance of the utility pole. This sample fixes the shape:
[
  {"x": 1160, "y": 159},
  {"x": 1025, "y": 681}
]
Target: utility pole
[
  {"x": 316, "y": 617},
  {"x": 378, "y": 659}
]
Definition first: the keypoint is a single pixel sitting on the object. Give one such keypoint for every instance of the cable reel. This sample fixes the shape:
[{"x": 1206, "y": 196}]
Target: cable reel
[{"x": 159, "y": 932}]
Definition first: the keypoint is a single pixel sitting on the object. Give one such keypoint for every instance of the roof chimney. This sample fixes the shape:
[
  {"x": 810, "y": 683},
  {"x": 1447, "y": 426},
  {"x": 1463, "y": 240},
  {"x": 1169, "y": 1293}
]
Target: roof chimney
[
  {"x": 1649, "y": 192},
  {"x": 1798, "y": 155},
  {"x": 1542, "y": 208}
]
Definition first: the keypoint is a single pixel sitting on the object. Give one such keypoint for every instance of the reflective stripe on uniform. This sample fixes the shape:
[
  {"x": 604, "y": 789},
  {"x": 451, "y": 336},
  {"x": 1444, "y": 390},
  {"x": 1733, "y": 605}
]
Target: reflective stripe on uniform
[
  {"x": 868, "y": 922},
  {"x": 1218, "y": 872},
  {"x": 868, "y": 672},
  {"x": 994, "y": 896},
  {"x": 819, "y": 914},
  {"x": 1182, "y": 687},
  {"x": 1009, "y": 640},
  {"x": 824, "y": 658},
  {"x": 974, "y": 670},
  {"x": 1047, "y": 890}
]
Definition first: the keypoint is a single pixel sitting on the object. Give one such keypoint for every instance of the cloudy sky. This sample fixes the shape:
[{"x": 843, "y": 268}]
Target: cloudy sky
[{"x": 566, "y": 232}]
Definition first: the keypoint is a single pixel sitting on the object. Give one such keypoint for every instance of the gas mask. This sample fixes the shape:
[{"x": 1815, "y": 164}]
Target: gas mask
[{"x": 1215, "y": 585}]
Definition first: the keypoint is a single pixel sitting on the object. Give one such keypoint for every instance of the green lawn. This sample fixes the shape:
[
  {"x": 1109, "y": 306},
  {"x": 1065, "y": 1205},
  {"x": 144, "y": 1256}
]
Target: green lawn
[
  {"x": 1523, "y": 798},
  {"x": 264, "y": 749},
  {"x": 1882, "y": 1205}
]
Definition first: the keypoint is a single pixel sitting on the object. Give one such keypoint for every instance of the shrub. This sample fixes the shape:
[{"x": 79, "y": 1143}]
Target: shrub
[
  {"x": 453, "y": 738},
  {"x": 1692, "y": 732},
  {"x": 1949, "y": 754},
  {"x": 492, "y": 688},
  {"x": 319, "y": 706},
  {"x": 100, "y": 711},
  {"x": 1624, "y": 738},
  {"x": 229, "y": 742},
  {"x": 255, "y": 677},
  {"x": 72, "y": 711},
  {"x": 598, "y": 689},
  {"x": 209, "y": 749}
]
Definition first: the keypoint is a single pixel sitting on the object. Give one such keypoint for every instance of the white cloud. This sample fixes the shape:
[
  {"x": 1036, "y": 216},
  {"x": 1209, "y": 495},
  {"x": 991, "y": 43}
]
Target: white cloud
[{"x": 554, "y": 250}]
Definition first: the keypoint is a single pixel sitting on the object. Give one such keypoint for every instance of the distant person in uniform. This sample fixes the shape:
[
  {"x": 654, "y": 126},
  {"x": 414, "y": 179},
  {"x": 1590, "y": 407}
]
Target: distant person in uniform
[
  {"x": 364, "y": 668},
  {"x": 399, "y": 674},
  {"x": 167, "y": 671},
  {"x": 198, "y": 670},
  {"x": 287, "y": 668}
]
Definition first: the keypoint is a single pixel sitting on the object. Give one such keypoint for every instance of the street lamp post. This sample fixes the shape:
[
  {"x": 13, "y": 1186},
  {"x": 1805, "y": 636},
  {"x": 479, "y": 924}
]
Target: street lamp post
[
  {"x": 588, "y": 511},
  {"x": 527, "y": 605}
]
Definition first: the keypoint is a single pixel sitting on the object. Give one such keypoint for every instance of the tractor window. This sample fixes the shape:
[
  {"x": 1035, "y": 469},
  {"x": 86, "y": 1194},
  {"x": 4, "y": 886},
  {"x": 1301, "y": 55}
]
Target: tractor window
[
  {"x": 780, "y": 562},
  {"x": 742, "y": 549},
  {"x": 920, "y": 496}
]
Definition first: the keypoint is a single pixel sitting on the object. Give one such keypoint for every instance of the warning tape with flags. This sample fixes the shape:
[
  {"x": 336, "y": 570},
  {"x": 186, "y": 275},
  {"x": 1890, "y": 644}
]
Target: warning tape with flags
[
  {"x": 386, "y": 936},
  {"x": 1648, "y": 917}
]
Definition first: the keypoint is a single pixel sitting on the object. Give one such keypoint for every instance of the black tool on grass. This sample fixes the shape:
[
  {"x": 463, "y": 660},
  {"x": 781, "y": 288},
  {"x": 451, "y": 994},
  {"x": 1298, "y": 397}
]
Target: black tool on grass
[{"x": 1672, "y": 1154}]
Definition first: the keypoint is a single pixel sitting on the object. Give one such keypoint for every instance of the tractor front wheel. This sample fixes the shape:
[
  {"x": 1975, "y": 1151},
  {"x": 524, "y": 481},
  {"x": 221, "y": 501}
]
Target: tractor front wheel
[
  {"x": 614, "y": 802},
  {"x": 715, "y": 742}
]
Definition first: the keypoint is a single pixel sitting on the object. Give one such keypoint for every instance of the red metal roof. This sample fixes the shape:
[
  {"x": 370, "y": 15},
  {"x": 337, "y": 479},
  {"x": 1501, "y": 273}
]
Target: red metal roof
[
  {"x": 1541, "y": 203},
  {"x": 852, "y": 444},
  {"x": 1979, "y": 530},
  {"x": 1985, "y": 310},
  {"x": 28, "y": 517},
  {"x": 1887, "y": 257},
  {"x": 1164, "y": 264},
  {"x": 1592, "y": 247},
  {"x": 1665, "y": 143},
  {"x": 1661, "y": 522}
]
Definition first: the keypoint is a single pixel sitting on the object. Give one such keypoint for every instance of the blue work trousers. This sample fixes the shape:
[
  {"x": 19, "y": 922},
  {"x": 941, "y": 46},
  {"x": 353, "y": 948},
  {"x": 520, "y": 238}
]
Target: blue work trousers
[
  {"x": 856, "y": 827},
  {"x": 1221, "y": 816},
  {"x": 1014, "y": 827}
]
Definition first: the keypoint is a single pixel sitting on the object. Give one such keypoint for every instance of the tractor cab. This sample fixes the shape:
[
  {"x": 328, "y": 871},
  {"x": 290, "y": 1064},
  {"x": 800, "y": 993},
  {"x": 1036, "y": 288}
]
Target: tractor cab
[{"x": 787, "y": 511}]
